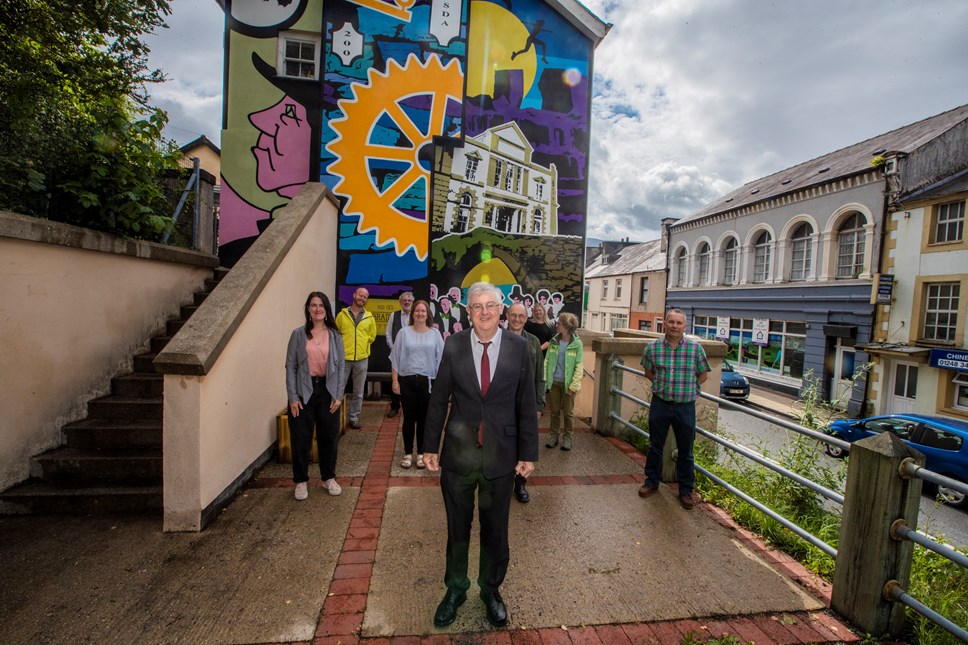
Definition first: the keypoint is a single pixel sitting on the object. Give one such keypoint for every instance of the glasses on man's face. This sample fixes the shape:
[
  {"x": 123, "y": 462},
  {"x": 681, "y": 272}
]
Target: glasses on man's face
[{"x": 478, "y": 307}]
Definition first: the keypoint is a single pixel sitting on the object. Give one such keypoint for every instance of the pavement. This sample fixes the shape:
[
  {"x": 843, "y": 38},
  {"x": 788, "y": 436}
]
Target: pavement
[{"x": 591, "y": 562}]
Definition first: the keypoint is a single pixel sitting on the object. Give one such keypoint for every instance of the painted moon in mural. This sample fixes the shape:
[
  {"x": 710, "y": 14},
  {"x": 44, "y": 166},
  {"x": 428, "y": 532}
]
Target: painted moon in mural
[{"x": 495, "y": 34}]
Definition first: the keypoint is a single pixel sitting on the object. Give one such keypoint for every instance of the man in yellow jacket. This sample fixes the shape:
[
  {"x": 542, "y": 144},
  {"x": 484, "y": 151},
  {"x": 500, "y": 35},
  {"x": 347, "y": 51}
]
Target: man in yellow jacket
[{"x": 358, "y": 327}]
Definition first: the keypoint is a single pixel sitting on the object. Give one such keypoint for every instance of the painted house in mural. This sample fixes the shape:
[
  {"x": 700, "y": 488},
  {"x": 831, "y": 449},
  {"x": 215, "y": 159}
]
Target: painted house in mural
[
  {"x": 492, "y": 181},
  {"x": 390, "y": 104}
]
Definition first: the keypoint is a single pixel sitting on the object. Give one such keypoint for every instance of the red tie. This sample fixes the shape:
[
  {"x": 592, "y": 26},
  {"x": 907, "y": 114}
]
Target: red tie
[{"x": 485, "y": 383}]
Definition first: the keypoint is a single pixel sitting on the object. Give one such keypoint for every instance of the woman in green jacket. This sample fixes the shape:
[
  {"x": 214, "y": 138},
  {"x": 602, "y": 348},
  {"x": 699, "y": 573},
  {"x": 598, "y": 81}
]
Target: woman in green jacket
[{"x": 563, "y": 374}]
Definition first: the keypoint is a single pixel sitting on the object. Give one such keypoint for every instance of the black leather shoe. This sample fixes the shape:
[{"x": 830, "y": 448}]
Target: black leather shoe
[
  {"x": 520, "y": 492},
  {"x": 392, "y": 413},
  {"x": 497, "y": 613},
  {"x": 447, "y": 609}
]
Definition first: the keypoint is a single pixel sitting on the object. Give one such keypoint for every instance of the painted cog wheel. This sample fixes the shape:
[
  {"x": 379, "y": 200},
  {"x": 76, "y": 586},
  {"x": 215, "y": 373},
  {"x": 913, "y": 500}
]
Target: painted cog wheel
[{"x": 383, "y": 147}]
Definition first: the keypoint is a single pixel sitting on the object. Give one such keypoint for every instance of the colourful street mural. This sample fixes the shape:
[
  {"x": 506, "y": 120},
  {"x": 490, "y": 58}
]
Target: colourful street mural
[{"x": 453, "y": 132}]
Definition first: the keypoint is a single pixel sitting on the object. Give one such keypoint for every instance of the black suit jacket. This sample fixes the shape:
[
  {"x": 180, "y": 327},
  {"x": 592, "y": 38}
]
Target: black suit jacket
[{"x": 508, "y": 411}]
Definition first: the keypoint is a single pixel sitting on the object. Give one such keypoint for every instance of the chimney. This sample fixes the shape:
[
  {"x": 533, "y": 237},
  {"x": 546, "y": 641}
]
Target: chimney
[{"x": 665, "y": 222}]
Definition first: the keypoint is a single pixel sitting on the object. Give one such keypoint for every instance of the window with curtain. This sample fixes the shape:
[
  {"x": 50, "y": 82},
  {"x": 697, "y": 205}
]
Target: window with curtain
[
  {"x": 681, "y": 268},
  {"x": 730, "y": 261},
  {"x": 703, "y": 262}
]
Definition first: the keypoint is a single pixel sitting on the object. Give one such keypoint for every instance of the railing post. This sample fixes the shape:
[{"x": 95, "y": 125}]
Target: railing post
[
  {"x": 867, "y": 556},
  {"x": 608, "y": 377}
]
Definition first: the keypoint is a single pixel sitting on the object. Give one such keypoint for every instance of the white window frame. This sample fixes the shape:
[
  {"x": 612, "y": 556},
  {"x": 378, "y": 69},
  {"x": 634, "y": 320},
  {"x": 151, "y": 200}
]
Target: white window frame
[
  {"x": 302, "y": 38},
  {"x": 761, "y": 257},
  {"x": 704, "y": 256},
  {"x": 615, "y": 321},
  {"x": 618, "y": 289},
  {"x": 947, "y": 216},
  {"x": 730, "y": 261},
  {"x": 851, "y": 243},
  {"x": 604, "y": 289},
  {"x": 681, "y": 268},
  {"x": 935, "y": 313},
  {"x": 644, "y": 291},
  {"x": 960, "y": 381},
  {"x": 470, "y": 172},
  {"x": 801, "y": 254}
]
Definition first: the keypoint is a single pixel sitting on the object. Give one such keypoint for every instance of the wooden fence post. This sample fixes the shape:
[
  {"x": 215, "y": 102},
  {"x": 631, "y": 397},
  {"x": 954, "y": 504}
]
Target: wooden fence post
[{"x": 867, "y": 556}]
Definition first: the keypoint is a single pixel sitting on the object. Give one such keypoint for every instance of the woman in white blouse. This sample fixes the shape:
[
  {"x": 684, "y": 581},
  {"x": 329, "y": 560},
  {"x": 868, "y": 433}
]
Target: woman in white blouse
[{"x": 414, "y": 359}]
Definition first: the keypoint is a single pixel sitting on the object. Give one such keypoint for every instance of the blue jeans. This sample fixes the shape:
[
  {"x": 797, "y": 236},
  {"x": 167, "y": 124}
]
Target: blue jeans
[{"x": 682, "y": 418}]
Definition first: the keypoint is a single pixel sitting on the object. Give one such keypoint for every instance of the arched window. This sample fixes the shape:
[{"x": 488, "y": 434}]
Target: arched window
[
  {"x": 463, "y": 214},
  {"x": 681, "y": 268},
  {"x": 538, "y": 216},
  {"x": 703, "y": 263},
  {"x": 730, "y": 257},
  {"x": 801, "y": 253},
  {"x": 761, "y": 257},
  {"x": 850, "y": 247}
]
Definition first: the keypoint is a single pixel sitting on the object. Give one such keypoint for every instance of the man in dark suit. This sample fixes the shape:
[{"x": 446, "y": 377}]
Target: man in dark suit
[{"x": 491, "y": 434}]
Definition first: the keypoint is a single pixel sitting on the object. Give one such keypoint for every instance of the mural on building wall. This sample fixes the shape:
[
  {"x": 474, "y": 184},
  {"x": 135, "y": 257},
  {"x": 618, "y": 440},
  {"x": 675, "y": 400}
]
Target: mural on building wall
[{"x": 453, "y": 132}]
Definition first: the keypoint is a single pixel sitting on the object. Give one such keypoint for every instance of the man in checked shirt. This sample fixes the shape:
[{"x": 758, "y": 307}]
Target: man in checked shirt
[{"x": 677, "y": 368}]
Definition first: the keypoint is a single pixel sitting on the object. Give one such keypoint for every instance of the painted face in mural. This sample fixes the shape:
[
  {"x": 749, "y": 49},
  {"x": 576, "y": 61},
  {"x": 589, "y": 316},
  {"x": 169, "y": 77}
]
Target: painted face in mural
[
  {"x": 282, "y": 151},
  {"x": 454, "y": 293}
]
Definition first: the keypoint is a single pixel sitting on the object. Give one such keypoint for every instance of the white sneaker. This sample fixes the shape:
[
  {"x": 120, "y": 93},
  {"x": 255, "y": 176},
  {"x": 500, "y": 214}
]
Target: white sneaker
[
  {"x": 333, "y": 488},
  {"x": 302, "y": 491}
]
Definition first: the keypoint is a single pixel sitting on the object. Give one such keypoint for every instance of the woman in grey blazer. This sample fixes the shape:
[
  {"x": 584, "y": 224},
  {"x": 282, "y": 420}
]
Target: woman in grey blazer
[{"x": 315, "y": 378}]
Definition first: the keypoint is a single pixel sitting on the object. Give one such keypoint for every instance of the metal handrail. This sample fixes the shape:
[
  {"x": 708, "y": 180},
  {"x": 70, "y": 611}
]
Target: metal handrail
[
  {"x": 899, "y": 530},
  {"x": 893, "y": 591},
  {"x": 749, "y": 454}
]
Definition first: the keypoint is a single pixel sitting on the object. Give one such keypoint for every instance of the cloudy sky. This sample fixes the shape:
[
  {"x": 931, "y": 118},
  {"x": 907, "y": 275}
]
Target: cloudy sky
[{"x": 692, "y": 98}]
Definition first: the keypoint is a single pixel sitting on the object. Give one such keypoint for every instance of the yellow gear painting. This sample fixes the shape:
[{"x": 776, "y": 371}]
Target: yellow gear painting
[{"x": 379, "y": 99}]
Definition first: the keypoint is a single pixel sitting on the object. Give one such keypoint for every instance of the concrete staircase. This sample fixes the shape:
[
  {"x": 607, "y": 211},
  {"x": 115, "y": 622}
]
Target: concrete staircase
[{"x": 112, "y": 460}]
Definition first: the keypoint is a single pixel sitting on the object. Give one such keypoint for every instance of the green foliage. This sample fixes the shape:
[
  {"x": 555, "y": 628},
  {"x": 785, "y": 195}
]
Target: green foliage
[
  {"x": 693, "y": 639},
  {"x": 79, "y": 142}
]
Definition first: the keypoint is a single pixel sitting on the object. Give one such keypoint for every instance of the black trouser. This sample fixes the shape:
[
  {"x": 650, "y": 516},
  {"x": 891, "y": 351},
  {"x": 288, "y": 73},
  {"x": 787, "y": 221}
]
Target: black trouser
[
  {"x": 415, "y": 395},
  {"x": 316, "y": 414},
  {"x": 394, "y": 401},
  {"x": 494, "y": 502}
]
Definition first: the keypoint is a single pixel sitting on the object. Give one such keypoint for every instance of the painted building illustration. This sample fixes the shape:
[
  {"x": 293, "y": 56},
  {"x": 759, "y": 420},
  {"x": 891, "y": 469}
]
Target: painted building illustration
[
  {"x": 493, "y": 182},
  {"x": 376, "y": 98}
]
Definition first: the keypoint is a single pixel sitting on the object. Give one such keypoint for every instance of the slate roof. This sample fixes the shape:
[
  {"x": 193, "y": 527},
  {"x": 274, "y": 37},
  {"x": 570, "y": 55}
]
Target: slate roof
[
  {"x": 852, "y": 160},
  {"x": 957, "y": 183},
  {"x": 635, "y": 258}
]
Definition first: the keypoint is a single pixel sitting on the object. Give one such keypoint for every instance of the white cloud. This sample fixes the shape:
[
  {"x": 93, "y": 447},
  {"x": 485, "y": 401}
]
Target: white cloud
[{"x": 692, "y": 97}]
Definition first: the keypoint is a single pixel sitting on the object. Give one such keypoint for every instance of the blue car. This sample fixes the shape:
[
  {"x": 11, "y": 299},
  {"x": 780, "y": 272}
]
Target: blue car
[
  {"x": 733, "y": 385},
  {"x": 943, "y": 441}
]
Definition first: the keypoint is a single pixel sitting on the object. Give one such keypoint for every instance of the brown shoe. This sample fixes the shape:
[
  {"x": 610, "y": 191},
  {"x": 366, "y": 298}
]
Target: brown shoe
[
  {"x": 687, "y": 502},
  {"x": 646, "y": 490}
]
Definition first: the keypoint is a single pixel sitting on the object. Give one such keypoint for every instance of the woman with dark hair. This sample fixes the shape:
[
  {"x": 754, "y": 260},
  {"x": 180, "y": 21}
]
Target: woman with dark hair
[
  {"x": 315, "y": 378},
  {"x": 414, "y": 358}
]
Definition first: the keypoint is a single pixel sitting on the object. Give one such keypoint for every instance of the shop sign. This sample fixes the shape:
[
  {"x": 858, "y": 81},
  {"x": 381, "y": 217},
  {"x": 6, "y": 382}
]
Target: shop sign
[
  {"x": 761, "y": 331},
  {"x": 722, "y": 328},
  {"x": 949, "y": 359},
  {"x": 883, "y": 289}
]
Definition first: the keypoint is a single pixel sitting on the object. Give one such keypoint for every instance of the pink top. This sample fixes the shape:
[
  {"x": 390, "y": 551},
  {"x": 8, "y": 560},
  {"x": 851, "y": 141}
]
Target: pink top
[{"x": 318, "y": 354}]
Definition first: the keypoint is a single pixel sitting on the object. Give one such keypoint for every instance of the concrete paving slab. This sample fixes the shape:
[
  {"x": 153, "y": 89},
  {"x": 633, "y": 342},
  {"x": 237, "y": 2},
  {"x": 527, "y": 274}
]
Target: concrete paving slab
[
  {"x": 355, "y": 448},
  {"x": 582, "y": 555},
  {"x": 258, "y": 574},
  {"x": 590, "y": 455}
]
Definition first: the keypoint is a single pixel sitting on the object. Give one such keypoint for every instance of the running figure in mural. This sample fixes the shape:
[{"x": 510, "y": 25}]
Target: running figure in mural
[{"x": 533, "y": 40}]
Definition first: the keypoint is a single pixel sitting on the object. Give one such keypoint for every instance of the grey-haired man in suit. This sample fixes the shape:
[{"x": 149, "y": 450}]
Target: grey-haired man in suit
[{"x": 486, "y": 376}]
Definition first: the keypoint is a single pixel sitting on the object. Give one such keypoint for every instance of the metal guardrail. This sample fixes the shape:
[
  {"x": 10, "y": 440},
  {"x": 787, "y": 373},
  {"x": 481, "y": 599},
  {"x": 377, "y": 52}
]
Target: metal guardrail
[{"x": 899, "y": 530}]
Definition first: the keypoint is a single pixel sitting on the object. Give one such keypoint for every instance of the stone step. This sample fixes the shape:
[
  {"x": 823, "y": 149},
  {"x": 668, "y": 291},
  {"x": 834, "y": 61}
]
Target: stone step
[
  {"x": 187, "y": 311},
  {"x": 172, "y": 326},
  {"x": 220, "y": 272},
  {"x": 82, "y": 467},
  {"x": 199, "y": 297},
  {"x": 158, "y": 343},
  {"x": 210, "y": 283},
  {"x": 103, "y": 434},
  {"x": 125, "y": 408},
  {"x": 143, "y": 363},
  {"x": 38, "y": 497},
  {"x": 138, "y": 385}
]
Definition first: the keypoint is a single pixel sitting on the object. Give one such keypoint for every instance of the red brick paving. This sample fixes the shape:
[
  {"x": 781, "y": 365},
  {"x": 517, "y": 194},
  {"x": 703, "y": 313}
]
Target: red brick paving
[{"x": 342, "y": 613}]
